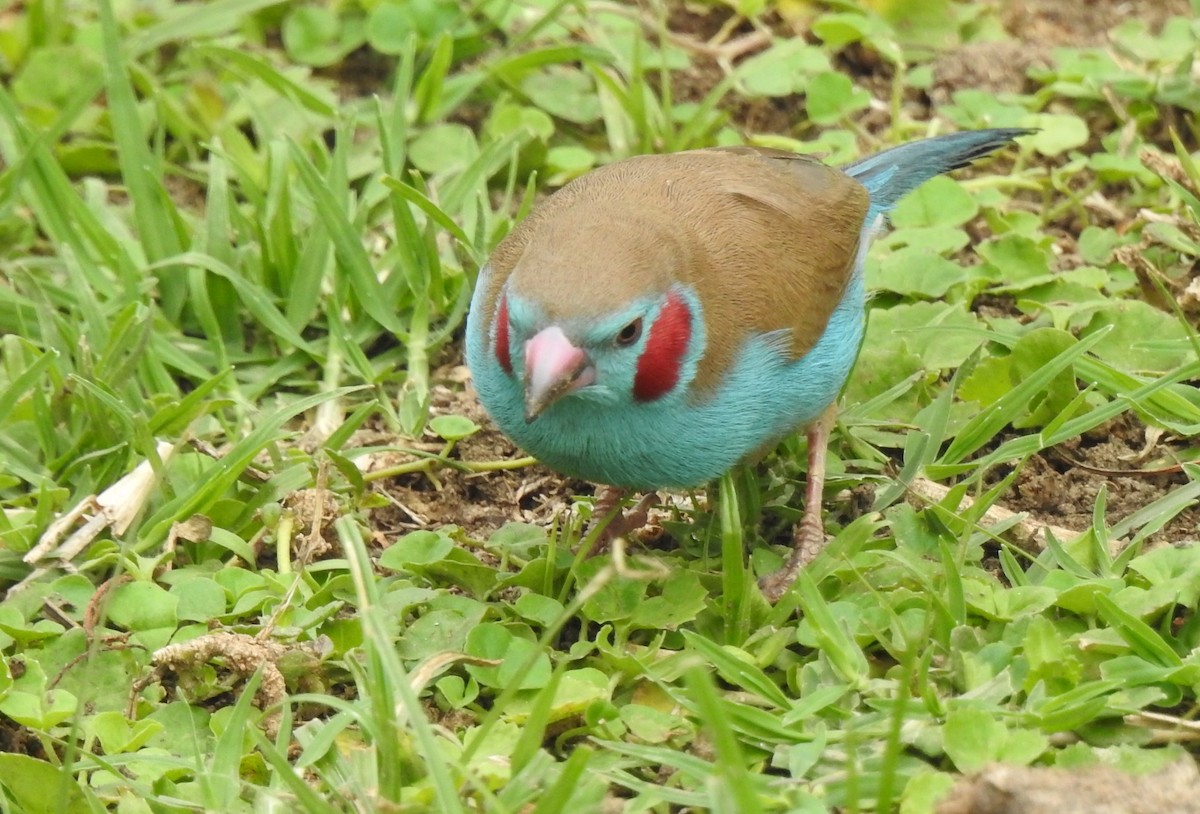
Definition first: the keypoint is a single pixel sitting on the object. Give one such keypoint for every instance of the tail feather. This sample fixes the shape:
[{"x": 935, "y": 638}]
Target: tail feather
[{"x": 892, "y": 174}]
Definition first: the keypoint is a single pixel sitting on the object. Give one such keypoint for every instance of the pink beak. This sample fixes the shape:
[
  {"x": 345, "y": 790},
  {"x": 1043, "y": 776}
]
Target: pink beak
[{"x": 553, "y": 368}]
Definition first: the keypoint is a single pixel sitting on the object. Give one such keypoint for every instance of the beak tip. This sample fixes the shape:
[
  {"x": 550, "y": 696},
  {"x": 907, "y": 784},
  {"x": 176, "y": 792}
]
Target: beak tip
[
  {"x": 533, "y": 409},
  {"x": 554, "y": 367}
]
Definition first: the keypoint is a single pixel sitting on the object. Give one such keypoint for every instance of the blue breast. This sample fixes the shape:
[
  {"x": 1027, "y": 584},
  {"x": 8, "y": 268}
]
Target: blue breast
[{"x": 676, "y": 441}]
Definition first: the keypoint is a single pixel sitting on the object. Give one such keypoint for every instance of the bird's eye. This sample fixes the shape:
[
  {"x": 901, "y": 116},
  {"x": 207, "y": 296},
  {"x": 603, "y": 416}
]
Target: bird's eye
[{"x": 630, "y": 333}]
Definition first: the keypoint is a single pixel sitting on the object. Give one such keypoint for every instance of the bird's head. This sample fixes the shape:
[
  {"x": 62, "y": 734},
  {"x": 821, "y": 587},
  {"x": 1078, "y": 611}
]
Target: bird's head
[
  {"x": 599, "y": 308},
  {"x": 638, "y": 353}
]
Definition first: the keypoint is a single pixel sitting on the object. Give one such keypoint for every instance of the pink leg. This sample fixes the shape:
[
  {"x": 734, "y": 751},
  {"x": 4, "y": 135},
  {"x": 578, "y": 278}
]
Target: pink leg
[
  {"x": 608, "y": 503},
  {"x": 808, "y": 538}
]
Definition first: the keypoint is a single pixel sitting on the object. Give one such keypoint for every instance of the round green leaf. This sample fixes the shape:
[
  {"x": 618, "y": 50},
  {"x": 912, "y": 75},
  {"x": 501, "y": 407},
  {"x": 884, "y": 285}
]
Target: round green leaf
[
  {"x": 310, "y": 35},
  {"x": 1057, "y": 133},
  {"x": 444, "y": 148},
  {"x": 832, "y": 96},
  {"x": 940, "y": 201},
  {"x": 417, "y": 548},
  {"x": 782, "y": 69},
  {"x": 494, "y": 641},
  {"x": 541, "y": 610},
  {"x": 453, "y": 427},
  {"x": 141, "y": 605},
  {"x": 200, "y": 599}
]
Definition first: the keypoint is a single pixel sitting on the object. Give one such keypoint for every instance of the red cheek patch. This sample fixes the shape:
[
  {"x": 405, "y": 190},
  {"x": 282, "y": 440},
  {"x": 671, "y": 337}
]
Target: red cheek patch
[
  {"x": 660, "y": 362},
  {"x": 502, "y": 354}
]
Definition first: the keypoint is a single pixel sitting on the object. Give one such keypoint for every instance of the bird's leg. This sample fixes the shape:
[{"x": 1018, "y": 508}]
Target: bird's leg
[
  {"x": 608, "y": 503},
  {"x": 808, "y": 538}
]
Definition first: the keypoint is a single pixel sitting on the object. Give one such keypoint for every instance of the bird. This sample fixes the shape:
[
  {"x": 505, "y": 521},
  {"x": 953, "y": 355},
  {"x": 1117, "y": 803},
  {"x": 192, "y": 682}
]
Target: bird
[{"x": 661, "y": 319}]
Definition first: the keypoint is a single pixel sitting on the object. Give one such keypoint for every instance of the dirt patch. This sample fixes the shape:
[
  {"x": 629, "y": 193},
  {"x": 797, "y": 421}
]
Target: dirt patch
[
  {"x": 1037, "y": 27},
  {"x": 16, "y": 739},
  {"x": 1084, "y": 22},
  {"x": 1061, "y": 485},
  {"x": 994, "y": 67},
  {"x": 1000, "y": 789},
  {"x": 702, "y": 23},
  {"x": 477, "y": 501},
  {"x": 714, "y": 47},
  {"x": 1058, "y": 487},
  {"x": 362, "y": 73}
]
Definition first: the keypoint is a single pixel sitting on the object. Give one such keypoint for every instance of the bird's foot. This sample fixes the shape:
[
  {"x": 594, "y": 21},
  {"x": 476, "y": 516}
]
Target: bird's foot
[
  {"x": 621, "y": 524},
  {"x": 808, "y": 540}
]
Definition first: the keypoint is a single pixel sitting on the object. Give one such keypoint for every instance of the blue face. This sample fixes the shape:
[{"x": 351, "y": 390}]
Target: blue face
[
  {"x": 607, "y": 433},
  {"x": 614, "y": 344}
]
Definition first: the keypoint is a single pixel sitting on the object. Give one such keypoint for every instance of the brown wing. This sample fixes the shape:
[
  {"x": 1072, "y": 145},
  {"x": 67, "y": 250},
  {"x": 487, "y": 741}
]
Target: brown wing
[{"x": 767, "y": 238}]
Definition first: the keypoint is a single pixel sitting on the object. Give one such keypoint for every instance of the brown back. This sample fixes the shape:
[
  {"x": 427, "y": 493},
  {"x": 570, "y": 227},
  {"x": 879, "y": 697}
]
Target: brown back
[{"x": 767, "y": 238}]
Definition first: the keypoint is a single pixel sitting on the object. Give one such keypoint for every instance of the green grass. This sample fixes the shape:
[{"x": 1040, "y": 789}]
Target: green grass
[{"x": 237, "y": 242}]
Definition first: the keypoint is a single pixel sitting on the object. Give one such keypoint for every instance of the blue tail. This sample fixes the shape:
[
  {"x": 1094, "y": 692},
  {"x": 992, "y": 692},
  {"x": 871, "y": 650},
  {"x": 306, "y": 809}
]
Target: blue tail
[{"x": 894, "y": 173}]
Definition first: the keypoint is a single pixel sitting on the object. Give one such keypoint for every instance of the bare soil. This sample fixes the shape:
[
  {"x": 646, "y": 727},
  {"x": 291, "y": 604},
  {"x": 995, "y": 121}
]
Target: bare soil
[
  {"x": 1000, "y": 789},
  {"x": 1136, "y": 465},
  {"x": 477, "y": 502}
]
